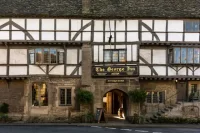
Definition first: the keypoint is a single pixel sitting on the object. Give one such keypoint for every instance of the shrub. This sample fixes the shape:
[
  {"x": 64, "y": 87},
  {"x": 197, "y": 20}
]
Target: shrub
[
  {"x": 137, "y": 95},
  {"x": 84, "y": 96},
  {"x": 4, "y": 108}
]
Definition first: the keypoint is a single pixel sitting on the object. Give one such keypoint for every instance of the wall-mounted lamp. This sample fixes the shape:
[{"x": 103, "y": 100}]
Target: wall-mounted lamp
[
  {"x": 176, "y": 80},
  {"x": 105, "y": 99}
]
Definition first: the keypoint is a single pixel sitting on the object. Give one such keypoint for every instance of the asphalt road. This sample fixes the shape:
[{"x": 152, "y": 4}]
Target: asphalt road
[{"x": 93, "y": 129}]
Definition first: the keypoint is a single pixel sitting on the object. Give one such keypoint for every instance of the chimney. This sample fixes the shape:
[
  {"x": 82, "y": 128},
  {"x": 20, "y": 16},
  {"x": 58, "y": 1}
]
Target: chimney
[{"x": 86, "y": 6}]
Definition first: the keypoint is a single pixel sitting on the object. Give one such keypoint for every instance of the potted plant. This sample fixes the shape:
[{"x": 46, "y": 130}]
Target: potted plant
[{"x": 137, "y": 96}]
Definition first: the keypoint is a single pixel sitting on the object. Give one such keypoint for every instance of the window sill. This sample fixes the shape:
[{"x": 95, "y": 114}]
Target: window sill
[{"x": 65, "y": 105}]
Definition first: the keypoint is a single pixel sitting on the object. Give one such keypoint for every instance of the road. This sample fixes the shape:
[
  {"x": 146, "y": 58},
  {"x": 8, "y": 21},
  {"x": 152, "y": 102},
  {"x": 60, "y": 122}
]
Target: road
[{"x": 92, "y": 129}]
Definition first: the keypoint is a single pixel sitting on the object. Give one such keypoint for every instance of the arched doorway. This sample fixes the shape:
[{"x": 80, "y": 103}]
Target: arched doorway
[{"x": 115, "y": 104}]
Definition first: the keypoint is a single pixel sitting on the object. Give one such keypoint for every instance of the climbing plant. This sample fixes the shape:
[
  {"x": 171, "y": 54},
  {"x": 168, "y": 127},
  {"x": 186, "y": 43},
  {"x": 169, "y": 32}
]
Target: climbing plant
[{"x": 84, "y": 96}]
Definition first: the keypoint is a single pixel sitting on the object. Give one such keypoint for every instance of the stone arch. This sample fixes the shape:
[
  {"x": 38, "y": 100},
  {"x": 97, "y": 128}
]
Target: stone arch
[{"x": 123, "y": 89}]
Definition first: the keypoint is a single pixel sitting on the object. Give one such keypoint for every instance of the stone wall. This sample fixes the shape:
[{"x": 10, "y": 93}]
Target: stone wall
[
  {"x": 12, "y": 93},
  {"x": 101, "y": 8},
  {"x": 53, "y": 109},
  {"x": 169, "y": 87}
]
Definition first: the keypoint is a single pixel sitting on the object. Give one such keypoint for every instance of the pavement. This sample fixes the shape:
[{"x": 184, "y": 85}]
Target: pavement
[{"x": 115, "y": 125}]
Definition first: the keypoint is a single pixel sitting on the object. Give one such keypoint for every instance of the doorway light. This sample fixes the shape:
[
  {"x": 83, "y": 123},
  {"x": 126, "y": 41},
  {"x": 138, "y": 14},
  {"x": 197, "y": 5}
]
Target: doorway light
[{"x": 105, "y": 99}]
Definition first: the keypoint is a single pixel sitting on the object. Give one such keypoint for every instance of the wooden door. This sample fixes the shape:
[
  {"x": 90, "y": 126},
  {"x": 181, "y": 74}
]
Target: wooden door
[{"x": 181, "y": 91}]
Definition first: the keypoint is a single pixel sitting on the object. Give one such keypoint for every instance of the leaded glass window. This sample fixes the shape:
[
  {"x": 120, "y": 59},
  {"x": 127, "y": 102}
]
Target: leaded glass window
[{"x": 65, "y": 96}]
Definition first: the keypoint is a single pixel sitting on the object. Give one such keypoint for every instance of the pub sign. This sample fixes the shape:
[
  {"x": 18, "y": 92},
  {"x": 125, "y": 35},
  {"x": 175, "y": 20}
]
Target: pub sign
[{"x": 114, "y": 71}]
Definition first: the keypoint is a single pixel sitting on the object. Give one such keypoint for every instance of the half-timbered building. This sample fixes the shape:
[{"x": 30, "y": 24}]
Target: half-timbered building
[{"x": 49, "y": 50}]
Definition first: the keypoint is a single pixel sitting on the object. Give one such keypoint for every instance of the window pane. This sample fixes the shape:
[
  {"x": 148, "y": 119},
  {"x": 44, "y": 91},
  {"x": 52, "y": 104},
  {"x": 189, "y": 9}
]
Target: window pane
[
  {"x": 62, "y": 96},
  {"x": 176, "y": 55},
  {"x": 35, "y": 95},
  {"x": 53, "y": 55},
  {"x": 190, "y": 55},
  {"x": 46, "y": 55},
  {"x": 183, "y": 55},
  {"x": 107, "y": 56},
  {"x": 195, "y": 26},
  {"x": 69, "y": 101},
  {"x": 32, "y": 56},
  {"x": 44, "y": 95},
  {"x": 115, "y": 56},
  {"x": 155, "y": 97},
  {"x": 38, "y": 52},
  {"x": 122, "y": 56},
  {"x": 149, "y": 97},
  {"x": 196, "y": 55}
]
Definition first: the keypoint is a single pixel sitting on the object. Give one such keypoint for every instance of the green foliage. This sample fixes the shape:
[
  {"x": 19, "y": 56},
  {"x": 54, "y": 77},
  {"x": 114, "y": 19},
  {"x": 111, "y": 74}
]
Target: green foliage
[
  {"x": 137, "y": 96},
  {"x": 4, "y": 108},
  {"x": 84, "y": 96},
  {"x": 177, "y": 120}
]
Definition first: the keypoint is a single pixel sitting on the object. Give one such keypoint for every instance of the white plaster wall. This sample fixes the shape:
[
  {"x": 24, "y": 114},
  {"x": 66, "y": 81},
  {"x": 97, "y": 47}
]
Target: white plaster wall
[
  {"x": 69, "y": 70},
  {"x": 161, "y": 70},
  {"x": 182, "y": 71},
  {"x": 17, "y": 70},
  {"x": 58, "y": 70},
  {"x": 120, "y": 25},
  {"x": 98, "y": 25},
  {"x": 100, "y": 53},
  {"x": 190, "y": 72},
  {"x": 197, "y": 72},
  {"x": 3, "y": 56},
  {"x": 98, "y": 36},
  {"x": 120, "y": 36},
  {"x": 159, "y": 56},
  {"x": 109, "y": 25},
  {"x": 129, "y": 52},
  {"x": 86, "y": 36},
  {"x": 2, "y": 21},
  {"x": 160, "y": 25},
  {"x": 18, "y": 35},
  {"x": 62, "y": 35},
  {"x": 132, "y": 25},
  {"x": 33, "y": 24},
  {"x": 147, "y": 22},
  {"x": 47, "y": 35},
  {"x": 62, "y": 24},
  {"x": 78, "y": 38},
  {"x": 132, "y": 36},
  {"x": 20, "y": 22},
  {"x": 3, "y": 70},
  {"x": 18, "y": 56},
  {"x": 80, "y": 70},
  {"x": 107, "y": 35},
  {"x": 48, "y": 24},
  {"x": 175, "y": 25},
  {"x": 135, "y": 52},
  {"x": 171, "y": 72},
  {"x": 162, "y": 37},
  {"x": 95, "y": 54},
  {"x": 34, "y": 34},
  {"x": 72, "y": 56},
  {"x": 146, "y": 36},
  {"x": 145, "y": 70},
  {"x": 191, "y": 36},
  {"x": 175, "y": 36},
  {"x": 146, "y": 54},
  {"x": 75, "y": 24},
  {"x": 4, "y": 35},
  {"x": 35, "y": 70}
]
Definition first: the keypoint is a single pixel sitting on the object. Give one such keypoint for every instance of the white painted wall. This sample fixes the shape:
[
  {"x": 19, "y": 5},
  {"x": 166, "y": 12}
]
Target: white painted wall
[
  {"x": 18, "y": 56},
  {"x": 18, "y": 70},
  {"x": 145, "y": 70},
  {"x": 161, "y": 70},
  {"x": 35, "y": 70},
  {"x": 72, "y": 56},
  {"x": 146, "y": 54},
  {"x": 159, "y": 56},
  {"x": 58, "y": 70},
  {"x": 69, "y": 70},
  {"x": 3, "y": 56},
  {"x": 3, "y": 70}
]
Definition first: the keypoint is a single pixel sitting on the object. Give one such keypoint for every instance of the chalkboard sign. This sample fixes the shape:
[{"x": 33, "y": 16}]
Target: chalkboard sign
[{"x": 99, "y": 115}]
